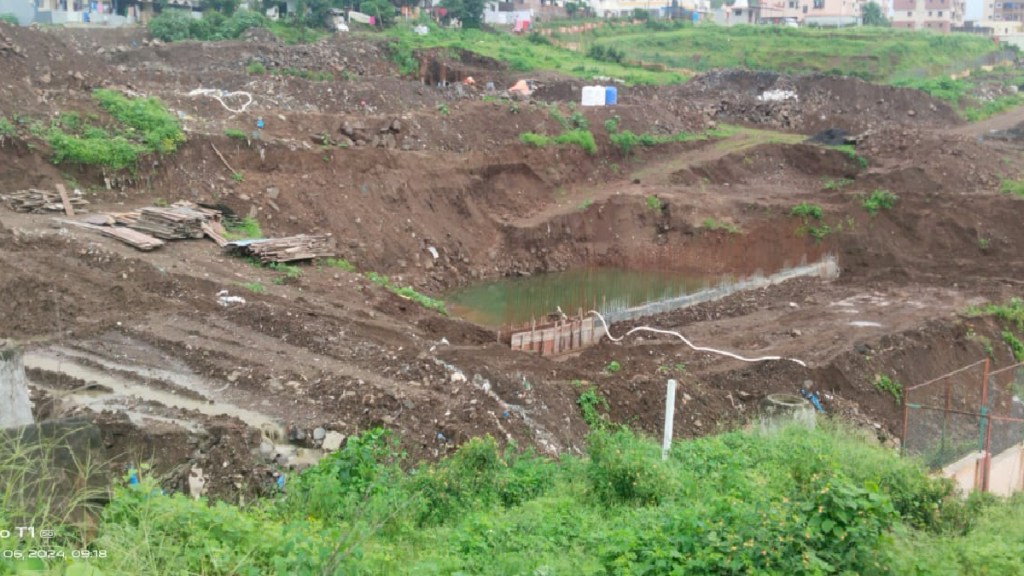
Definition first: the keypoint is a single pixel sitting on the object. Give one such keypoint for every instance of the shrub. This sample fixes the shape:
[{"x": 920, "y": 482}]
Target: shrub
[
  {"x": 582, "y": 138},
  {"x": 171, "y": 26},
  {"x": 884, "y": 383},
  {"x": 9, "y": 18},
  {"x": 256, "y": 68},
  {"x": 805, "y": 211},
  {"x": 1012, "y": 187},
  {"x": 159, "y": 129},
  {"x": 879, "y": 200},
  {"x": 624, "y": 469},
  {"x": 236, "y": 134}
]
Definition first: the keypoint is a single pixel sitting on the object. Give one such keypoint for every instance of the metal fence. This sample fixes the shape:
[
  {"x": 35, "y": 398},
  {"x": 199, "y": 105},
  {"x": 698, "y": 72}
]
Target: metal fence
[{"x": 970, "y": 424}]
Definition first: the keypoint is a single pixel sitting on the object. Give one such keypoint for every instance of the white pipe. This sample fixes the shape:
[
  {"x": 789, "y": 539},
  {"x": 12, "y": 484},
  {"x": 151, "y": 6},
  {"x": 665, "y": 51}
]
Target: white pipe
[
  {"x": 688, "y": 343},
  {"x": 670, "y": 412}
]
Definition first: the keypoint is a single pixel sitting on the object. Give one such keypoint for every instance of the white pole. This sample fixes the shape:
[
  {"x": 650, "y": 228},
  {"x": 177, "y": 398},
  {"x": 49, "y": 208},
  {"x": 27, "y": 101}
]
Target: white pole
[
  {"x": 15, "y": 407},
  {"x": 670, "y": 412}
]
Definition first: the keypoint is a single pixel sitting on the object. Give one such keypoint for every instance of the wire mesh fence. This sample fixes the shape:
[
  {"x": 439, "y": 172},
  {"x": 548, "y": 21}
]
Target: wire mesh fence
[{"x": 970, "y": 424}]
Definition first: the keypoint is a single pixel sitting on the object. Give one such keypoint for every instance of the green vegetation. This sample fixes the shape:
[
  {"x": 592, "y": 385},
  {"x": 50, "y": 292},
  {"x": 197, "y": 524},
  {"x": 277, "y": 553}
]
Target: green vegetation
[
  {"x": 582, "y": 138},
  {"x": 835, "y": 183},
  {"x": 884, "y": 383},
  {"x": 256, "y": 68},
  {"x": 177, "y": 25},
  {"x": 585, "y": 204},
  {"x": 612, "y": 367},
  {"x": 877, "y": 54},
  {"x": 519, "y": 52},
  {"x": 244, "y": 229},
  {"x": 9, "y": 18},
  {"x": 626, "y": 140},
  {"x": 850, "y": 152},
  {"x": 591, "y": 404},
  {"x": 288, "y": 272},
  {"x": 653, "y": 203},
  {"x": 339, "y": 263},
  {"x": 824, "y": 501},
  {"x": 407, "y": 292},
  {"x": 714, "y": 225},
  {"x": 144, "y": 126},
  {"x": 1012, "y": 187},
  {"x": 236, "y": 134},
  {"x": 7, "y": 130},
  {"x": 879, "y": 200},
  {"x": 957, "y": 94},
  {"x": 993, "y": 107},
  {"x": 254, "y": 287},
  {"x": 806, "y": 211},
  {"x": 238, "y": 176},
  {"x": 1011, "y": 312},
  {"x": 811, "y": 215},
  {"x": 1016, "y": 346}
]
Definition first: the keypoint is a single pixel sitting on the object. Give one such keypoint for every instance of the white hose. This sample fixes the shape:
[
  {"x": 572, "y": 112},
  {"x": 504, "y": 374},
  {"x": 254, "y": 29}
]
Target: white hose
[
  {"x": 688, "y": 343},
  {"x": 218, "y": 94}
]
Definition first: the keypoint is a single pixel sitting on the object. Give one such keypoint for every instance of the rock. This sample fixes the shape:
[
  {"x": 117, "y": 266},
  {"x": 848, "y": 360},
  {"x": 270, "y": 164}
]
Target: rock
[
  {"x": 333, "y": 441},
  {"x": 273, "y": 193},
  {"x": 267, "y": 450},
  {"x": 196, "y": 483},
  {"x": 319, "y": 434},
  {"x": 296, "y": 434},
  {"x": 396, "y": 125}
]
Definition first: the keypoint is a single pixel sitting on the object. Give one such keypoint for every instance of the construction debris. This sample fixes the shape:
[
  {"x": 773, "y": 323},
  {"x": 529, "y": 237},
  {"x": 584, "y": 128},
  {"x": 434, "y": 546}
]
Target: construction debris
[
  {"x": 290, "y": 249},
  {"x": 170, "y": 223},
  {"x": 41, "y": 201},
  {"x": 133, "y": 238}
]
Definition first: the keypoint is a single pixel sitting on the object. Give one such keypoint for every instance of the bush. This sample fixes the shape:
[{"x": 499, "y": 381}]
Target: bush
[
  {"x": 177, "y": 25},
  {"x": 9, "y": 18},
  {"x": 623, "y": 469},
  {"x": 879, "y": 200},
  {"x": 171, "y": 26},
  {"x": 159, "y": 129}
]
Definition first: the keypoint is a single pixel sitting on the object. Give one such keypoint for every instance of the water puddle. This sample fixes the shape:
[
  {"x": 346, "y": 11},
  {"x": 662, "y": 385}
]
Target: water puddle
[
  {"x": 616, "y": 293},
  {"x": 519, "y": 300}
]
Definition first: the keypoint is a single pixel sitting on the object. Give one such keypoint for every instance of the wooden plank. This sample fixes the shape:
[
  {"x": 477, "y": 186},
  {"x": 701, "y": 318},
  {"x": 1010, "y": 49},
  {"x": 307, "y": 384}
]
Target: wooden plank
[
  {"x": 211, "y": 230},
  {"x": 68, "y": 210}
]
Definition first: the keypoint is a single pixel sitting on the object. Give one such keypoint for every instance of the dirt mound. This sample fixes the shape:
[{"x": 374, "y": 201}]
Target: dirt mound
[
  {"x": 768, "y": 163},
  {"x": 811, "y": 103}
]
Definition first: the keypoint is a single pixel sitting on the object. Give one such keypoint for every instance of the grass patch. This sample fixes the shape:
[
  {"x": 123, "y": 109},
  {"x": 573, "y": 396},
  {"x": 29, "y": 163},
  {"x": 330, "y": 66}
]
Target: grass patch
[
  {"x": 822, "y": 501},
  {"x": 584, "y": 139},
  {"x": 519, "y": 54},
  {"x": 653, "y": 203},
  {"x": 714, "y": 225},
  {"x": 339, "y": 263},
  {"x": 879, "y": 200},
  {"x": 850, "y": 152},
  {"x": 876, "y": 54},
  {"x": 1012, "y": 312},
  {"x": 143, "y": 126},
  {"x": 612, "y": 367},
  {"x": 254, "y": 287},
  {"x": 591, "y": 404},
  {"x": 1012, "y": 187},
  {"x": 236, "y": 134},
  {"x": 835, "y": 183},
  {"x": 256, "y": 68},
  {"x": 244, "y": 229},
  {"x": 311, "y": 75},
  {"x": 407, "y": 292}
]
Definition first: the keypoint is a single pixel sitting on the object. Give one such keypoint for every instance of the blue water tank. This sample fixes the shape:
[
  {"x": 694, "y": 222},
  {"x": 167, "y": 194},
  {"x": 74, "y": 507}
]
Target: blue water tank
[{"x": 611, "y": 95}]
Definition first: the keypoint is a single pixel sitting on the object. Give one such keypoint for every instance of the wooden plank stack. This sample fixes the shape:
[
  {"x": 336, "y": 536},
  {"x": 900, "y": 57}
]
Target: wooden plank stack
[
  {"x": 170, "y": 223},
  {"x": 289, "y": 249},
  {"x": 40, "y": 201}
]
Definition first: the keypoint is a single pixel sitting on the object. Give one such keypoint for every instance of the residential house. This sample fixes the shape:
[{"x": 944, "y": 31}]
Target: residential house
[
  {"x": 816, "y": 12},
  {"x": 935, "y": 15},
  {"x": 1005, "y": 11}
]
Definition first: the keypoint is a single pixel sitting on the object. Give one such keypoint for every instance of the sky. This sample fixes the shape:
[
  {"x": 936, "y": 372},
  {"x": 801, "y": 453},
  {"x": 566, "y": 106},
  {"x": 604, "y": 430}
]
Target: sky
[{"x": 974, "y": 9}]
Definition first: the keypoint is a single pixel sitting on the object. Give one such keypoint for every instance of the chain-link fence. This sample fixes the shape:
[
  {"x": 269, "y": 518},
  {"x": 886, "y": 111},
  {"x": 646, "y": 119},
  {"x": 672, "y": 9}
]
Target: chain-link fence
[{"x": 970, "y": 424}]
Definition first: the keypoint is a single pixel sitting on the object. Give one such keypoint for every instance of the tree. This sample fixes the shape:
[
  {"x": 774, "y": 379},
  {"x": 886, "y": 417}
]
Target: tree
[
  {"x": 469, "y": 12},
  {"x": 871, "y": 15},
  {"x": 383, "y": 10}
]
